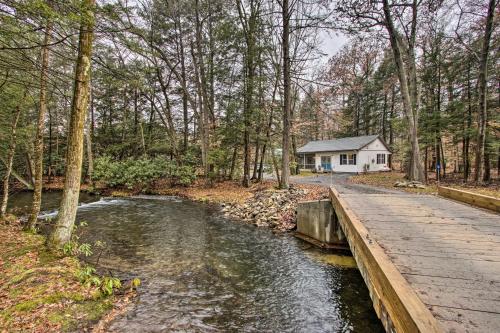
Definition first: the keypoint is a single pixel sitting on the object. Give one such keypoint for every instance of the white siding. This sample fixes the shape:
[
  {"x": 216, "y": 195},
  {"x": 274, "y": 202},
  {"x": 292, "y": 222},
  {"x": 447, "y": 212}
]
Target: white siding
[
  {"x": 335, "y": 161},
  {"x": 367, "y": 155}
]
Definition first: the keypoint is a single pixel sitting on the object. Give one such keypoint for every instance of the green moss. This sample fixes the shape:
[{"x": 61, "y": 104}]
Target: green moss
[
  {"x": 47, "y": 256},
  {"x": 27, "y": 305},
  {"x": 15, "y": 292},
  {"x": 30, "y": 270},
  {"x": 89, "y": 310},
  {"x": 95, "y": 309},
  {"x": 20, "y": 277}
]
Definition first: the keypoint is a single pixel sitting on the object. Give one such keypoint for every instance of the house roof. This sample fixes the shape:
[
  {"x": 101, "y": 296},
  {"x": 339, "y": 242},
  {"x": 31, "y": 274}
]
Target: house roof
[{"x": 343, "y": 144}]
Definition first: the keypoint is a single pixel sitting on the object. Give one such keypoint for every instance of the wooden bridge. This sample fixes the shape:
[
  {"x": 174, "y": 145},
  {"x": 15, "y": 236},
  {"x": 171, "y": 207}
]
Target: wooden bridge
[{"x": 430, "y": 264}]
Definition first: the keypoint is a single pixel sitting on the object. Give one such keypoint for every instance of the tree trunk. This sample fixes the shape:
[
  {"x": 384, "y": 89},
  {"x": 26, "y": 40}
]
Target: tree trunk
[
  {"x": 38, "y": 171},
  {"x": 384, "y": 118},
  {"x": 49, "y": 167},
  {"x": 482, "y": 120},
  {"x": 391, "y": 119},
  {"x": 202, "y": 117},
  {"x": 74, "y": 155},
  {"x": 30, "y": 166},
  {"x": 90, "y": 156},
  {"x": 487, "y": 165},
  {"x": 443, "y": 160},
  {"x": 233, "y": 162},
  {"x": 8, "y": 164},
  {"x": 275, "y": 164},
  {"x": 143, "y": 141},
  {"x": 185, "y": 114},
  {"x": 426, "y": 163},
  {"x": 205, "y": 107},
  {"x": 469, "y": 124},
  {"x": 267, "y": 142},
  {"x": 256, "y": 157},
  {"x": 410, "y": 104},
  {"x": 249, "y": 28},
  {"x": 285, "y": 160}
]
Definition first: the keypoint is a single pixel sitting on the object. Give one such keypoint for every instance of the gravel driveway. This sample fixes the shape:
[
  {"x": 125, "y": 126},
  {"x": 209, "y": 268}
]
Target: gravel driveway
[{"x": 341, "y": 183}]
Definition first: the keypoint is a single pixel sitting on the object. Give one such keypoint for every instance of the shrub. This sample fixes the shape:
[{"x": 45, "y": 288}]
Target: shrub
[{"x": 143, "y": 171}]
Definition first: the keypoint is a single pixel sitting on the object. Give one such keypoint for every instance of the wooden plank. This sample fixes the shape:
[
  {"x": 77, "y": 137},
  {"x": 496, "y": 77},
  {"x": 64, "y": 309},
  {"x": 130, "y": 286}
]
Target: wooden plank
[
  {"x": 438, "y": 227},
  {"x": 460, "y": 320},
  {"x": 452, "y": 282},
  {"x": 474, "y": 300},
  {"x": 446, "y": 273},
  {"x": 395, "y": 302},
  {"x": 382, "y": 218},
  {"x": 444, "y": 254},
  {"x": 474, "y": 199},
  {"x": 436, "y": 236},
  {"x": 433, "y": 241},
  {"x": 481, "y": 269}
]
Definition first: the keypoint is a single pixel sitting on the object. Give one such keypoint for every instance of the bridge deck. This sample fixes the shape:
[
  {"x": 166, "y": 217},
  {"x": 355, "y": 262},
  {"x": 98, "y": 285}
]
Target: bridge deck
[{"x": 419, "y": 252}]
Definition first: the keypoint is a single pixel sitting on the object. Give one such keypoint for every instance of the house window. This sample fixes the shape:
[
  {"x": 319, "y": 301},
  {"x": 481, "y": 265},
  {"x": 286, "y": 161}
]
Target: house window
[
  {"x": 347, "y": 159},
  {"x": 380, "y": 158}
]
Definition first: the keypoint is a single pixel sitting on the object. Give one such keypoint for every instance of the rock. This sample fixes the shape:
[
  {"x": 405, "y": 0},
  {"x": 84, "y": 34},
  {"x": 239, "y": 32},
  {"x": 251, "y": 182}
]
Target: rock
[{"x": 409, "y": 184}]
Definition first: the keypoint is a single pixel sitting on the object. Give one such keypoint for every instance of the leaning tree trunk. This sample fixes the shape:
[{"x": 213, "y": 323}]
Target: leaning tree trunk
[
  {"x": 74, "y": 155},
  {"x": 410, "y": 107},
  {"x": 8, "y": 163},
  {"x": 285, "y": 160},
  {"x": 481, "y": 91},
  {"x": 38, "y": 170}
]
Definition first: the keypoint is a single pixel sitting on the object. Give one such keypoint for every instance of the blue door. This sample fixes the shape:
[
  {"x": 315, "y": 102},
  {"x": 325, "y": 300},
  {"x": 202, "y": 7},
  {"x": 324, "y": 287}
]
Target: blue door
[{"x": 326, "y": 163}]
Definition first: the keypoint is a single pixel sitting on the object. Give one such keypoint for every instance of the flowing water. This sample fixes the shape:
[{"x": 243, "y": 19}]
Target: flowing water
[{"x": 203, "y": 273}]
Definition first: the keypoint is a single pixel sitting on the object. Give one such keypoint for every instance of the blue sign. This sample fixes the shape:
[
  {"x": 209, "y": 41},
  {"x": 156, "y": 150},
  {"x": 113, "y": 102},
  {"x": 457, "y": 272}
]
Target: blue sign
[{"x": 438, "y": 166}]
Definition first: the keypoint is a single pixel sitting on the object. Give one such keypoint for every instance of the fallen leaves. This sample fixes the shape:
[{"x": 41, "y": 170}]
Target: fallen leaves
[{"x": 39, "y": 290}]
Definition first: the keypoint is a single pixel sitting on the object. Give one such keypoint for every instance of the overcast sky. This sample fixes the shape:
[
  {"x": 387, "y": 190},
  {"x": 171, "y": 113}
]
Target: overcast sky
[{"x": 331, "y": 43}]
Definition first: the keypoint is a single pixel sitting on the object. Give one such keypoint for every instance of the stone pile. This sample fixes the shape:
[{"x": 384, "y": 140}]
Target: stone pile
[
  {"x": 273, "y": 208},
  {"x": 409, "y": 184}
]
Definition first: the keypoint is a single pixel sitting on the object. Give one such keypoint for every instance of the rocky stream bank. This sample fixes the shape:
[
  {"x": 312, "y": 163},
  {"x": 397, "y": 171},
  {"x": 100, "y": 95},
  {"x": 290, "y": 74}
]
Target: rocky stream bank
[{"x": 273, "y": 208}]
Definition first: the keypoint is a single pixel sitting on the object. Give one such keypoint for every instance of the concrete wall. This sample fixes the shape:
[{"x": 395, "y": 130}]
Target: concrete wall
[{"x": 317, "y": 220}]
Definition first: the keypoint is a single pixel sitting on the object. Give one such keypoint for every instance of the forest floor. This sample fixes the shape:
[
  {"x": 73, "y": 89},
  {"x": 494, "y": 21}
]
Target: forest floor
[
  {"x": 41, "y": 291},
  {"x": 388, "y": 179}
]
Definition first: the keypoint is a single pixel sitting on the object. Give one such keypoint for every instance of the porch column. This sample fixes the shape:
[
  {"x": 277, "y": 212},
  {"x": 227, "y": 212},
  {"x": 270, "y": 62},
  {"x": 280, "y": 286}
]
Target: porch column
[{"x": 317, "y": 159}]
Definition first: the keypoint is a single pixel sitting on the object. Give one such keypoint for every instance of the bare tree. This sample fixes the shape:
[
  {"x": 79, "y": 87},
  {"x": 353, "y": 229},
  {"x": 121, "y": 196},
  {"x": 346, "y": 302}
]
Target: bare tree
[
  {"x": 285, "y": 157},
  {"x": 482, "y": 91},
  {"x": 8, "y": 163},
  {"x": 249, "y": 24},
  {"x": 38, "y": 171},
  {"x": 370, "y": 16}
]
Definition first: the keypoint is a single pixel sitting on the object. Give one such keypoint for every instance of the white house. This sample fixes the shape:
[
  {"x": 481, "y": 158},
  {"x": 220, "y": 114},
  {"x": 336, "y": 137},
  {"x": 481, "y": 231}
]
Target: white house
[{"x": 355, "y": 154}]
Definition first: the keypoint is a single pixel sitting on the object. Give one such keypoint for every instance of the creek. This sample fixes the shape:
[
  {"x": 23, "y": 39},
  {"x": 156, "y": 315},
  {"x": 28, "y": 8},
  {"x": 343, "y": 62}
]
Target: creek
[{"x": 203, "y": 273}]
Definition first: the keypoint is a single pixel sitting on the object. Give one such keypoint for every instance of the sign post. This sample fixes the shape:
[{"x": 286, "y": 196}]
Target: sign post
[{"x": 438, "y": 168}]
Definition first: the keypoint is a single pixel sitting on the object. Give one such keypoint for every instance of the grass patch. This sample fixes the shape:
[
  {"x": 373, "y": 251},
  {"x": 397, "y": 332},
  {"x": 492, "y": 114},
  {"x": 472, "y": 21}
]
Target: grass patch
[
  {"x": 387, "y": 180},
  {"x": 306, "y": 173}
]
